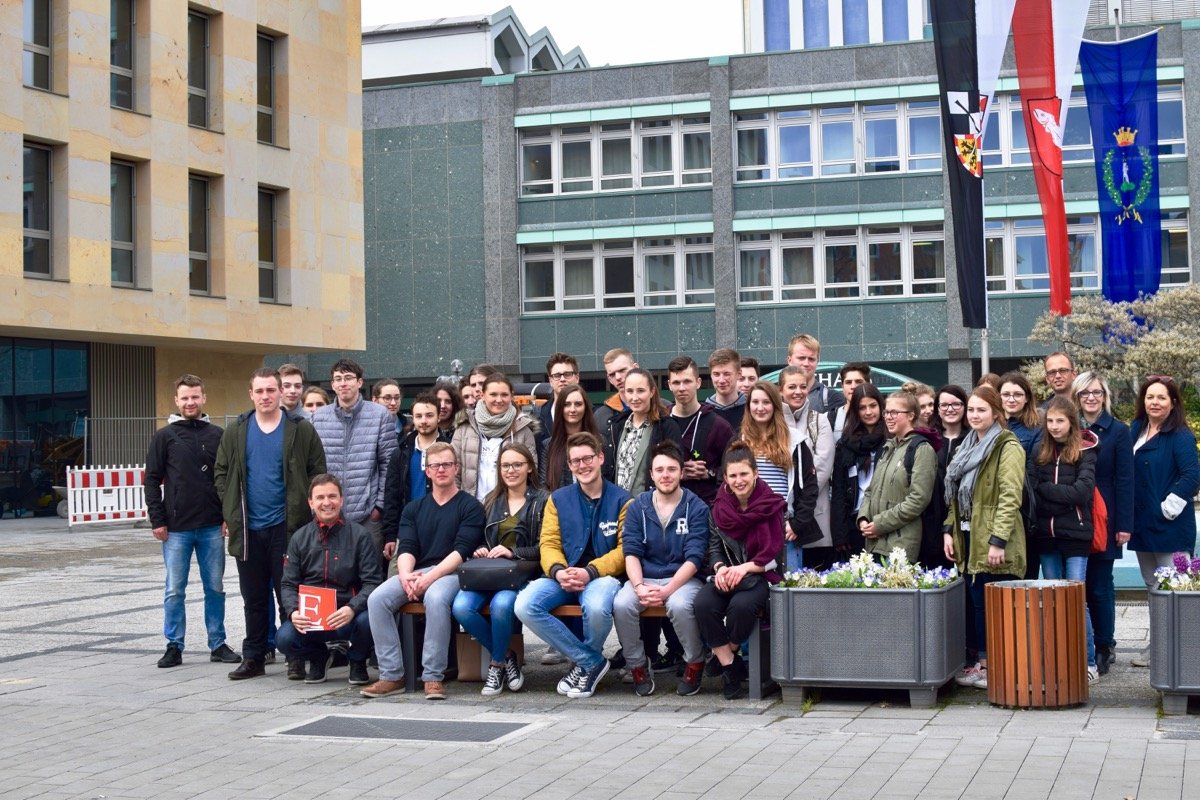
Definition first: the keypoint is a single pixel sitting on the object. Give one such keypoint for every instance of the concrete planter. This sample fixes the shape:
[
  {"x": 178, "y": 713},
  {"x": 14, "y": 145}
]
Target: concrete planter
[
  {"x": 910, "y": 639},
  {"x": 1174, "y": 647}
]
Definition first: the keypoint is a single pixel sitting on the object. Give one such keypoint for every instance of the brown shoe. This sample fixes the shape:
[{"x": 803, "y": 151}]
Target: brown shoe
[
  {"x": 434, "y": 690},
  {"x": 382, "y": 688}
]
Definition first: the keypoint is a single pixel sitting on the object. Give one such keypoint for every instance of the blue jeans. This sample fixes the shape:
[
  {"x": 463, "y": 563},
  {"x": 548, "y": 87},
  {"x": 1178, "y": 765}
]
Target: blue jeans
[
  {"x": 492, "y": 636},
  {"x": 795, "y": 556},
  {"x": 209, "y": 547},
  {"x": 311, "y": 646},
  {"x": 1102, "y": 601},
  {"x": 1075, "y": 569},
  {"x": 540, "y": 597}
]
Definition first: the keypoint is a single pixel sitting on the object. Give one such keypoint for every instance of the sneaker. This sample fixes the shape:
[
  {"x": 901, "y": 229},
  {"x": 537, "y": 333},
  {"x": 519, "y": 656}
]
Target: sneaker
[
  {"x": 382, "y": 688},
  {"x": 358, "y": 673},
  {"x": 712, "y": 667},
  {"x": 1093, "y": 674},
  {"x": 617, "y": 661},
  {"x": 249, "y": 668},
  {"x": 689, "y": 684},
  {"x": 552, "y": 657},
  {"x": 643, "y": 681},
  {"x": 269, "y": 658},
  {"x": 570, "y": 680},
  {"x": 590, "y": 681},
  {"x": 732, "y": 676},
  {"x": 513, "y": 676},
  {"x": 173, "y": 657},
  {"x": 434, "y": 690},
  {"x": 980, "y": 681},
  {"x": 1142, "y": 659},
  {"x": 493, "y": 684},
  {"x": 666, "y": 662},
  {"x": 966, "y": 676},
  {"x": 224, "y": 655},
  {"x": 295, "y": 669},
  {"x": 317, "y": 669}
]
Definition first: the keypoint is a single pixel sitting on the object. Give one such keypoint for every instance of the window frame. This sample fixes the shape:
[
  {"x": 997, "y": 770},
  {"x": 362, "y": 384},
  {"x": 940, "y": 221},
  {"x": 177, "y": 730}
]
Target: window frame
[
  {"x": 118, "y": 72},
  {"x": 121, "y": 245},
  {"x": 39, "y": 234},
  {"x": 266, "y": 112},
  {"x": 270, "y": 267},
  {"x": 197, "y": 257},
  {"x": 200, "y": 92},
  {"x": 32, "y": 50}
]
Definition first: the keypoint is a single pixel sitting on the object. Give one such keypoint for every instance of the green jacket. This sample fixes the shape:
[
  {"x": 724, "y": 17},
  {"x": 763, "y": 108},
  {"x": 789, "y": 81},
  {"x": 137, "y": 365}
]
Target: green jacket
[
  {"x": 995, "y": 511},
  {"x": 303, "y": 460},
  {"x": 894, "y": 502}
]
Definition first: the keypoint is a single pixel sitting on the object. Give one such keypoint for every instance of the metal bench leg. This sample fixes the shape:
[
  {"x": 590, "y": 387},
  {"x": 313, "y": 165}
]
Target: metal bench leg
[{"x": 408, "y": 643}]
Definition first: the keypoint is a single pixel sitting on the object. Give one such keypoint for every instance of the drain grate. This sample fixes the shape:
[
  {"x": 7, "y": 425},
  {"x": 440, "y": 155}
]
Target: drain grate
[{"x": 424, "y": 730}]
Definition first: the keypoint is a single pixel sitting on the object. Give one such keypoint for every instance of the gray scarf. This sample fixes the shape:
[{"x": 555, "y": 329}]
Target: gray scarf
[
  {"x": 493, "y": 425},
  {"x": 964, "y": 468}
]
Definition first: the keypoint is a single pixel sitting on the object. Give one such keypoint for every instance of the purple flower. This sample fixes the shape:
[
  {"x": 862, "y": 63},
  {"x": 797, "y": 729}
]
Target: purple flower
[
  {"x": 1195, "y": 566},
  {"x": 1181, "y": 562}
]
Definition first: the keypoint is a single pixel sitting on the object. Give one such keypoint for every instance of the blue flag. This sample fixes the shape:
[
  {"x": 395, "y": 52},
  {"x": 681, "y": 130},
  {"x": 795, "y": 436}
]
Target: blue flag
[{"x": 1122, "y": 94}]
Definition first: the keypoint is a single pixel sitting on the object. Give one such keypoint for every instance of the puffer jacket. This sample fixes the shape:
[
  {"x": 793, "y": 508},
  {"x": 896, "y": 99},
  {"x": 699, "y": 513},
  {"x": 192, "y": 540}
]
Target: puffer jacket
[
  {"x": 529, "y": 524},
  {"x": 358, "y": 449},
  {"x": 1064, "y": 500},
  {"x": 468, "y": 440},
  {"x": 895, "y": 501},
  {"x": 303, "y": 460},
  {"x": 179, "y": 488},
  {"x": 995, "y": 512},
  {"x": 344, "y": 560}
]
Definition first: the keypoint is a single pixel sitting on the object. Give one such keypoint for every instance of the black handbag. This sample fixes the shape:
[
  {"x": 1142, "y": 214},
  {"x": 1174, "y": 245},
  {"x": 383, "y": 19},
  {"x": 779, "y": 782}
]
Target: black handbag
[{"x": 496, "y": 574}]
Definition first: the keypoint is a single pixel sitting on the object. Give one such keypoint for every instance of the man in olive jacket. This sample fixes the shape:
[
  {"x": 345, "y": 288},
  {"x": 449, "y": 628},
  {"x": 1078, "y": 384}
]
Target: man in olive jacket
[{"x": 265, "y": 464}]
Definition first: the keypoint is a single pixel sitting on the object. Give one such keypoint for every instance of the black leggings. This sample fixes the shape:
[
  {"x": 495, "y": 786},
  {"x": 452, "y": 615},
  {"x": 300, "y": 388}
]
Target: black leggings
[{"x": 729, "y": 618}]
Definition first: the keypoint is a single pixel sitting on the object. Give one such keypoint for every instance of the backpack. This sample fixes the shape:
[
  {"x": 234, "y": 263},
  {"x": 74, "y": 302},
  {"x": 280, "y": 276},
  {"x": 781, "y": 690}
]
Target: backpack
[{"x": 934, "y": 513}]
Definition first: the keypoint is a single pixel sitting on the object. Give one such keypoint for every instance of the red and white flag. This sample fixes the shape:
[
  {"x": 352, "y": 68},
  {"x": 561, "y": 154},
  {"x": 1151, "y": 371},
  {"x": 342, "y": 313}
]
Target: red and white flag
[{"x": 1046, "y": 36}]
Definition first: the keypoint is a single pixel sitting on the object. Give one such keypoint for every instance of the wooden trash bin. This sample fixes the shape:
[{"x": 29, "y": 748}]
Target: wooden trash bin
[{"x": 1036, "y": 643}]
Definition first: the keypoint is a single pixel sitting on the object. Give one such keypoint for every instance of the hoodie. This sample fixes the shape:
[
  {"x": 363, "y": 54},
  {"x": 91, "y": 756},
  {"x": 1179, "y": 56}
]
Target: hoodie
[
  {"x": 663, "y": 551},
  {"x": 180, "y": 493},
  {"x": 731, "y": 413}
]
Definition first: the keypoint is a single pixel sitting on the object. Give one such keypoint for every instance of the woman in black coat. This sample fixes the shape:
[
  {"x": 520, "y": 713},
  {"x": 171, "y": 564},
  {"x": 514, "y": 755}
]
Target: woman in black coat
[{"x": 854, "y": 458}]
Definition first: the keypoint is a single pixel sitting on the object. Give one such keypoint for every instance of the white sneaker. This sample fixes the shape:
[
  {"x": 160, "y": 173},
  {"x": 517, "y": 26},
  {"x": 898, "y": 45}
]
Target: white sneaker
[
  {"x": 967, "y": 675},
  {"x": 552, "y": 657},
  {"x": 1142, "y": 659},
  {"x": 1093, "y": 674},
  {"x": 570, "y": 680},
  {"x": 493, "y": 684},
  {"x": 980, "y": 681}
]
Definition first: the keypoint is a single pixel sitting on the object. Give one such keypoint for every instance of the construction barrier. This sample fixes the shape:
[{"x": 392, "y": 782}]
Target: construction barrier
[{"x": 105, "y": 494}]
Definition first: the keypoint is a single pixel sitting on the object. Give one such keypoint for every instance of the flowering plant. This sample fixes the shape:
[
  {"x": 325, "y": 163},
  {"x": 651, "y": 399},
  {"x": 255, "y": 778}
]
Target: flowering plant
[
  {"x": 1182, "y": 576},
  {"x": 864, "y": 572}
]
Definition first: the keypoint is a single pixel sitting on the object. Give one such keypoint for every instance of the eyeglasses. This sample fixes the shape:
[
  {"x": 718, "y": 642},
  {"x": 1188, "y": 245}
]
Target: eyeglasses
[
  {"x": 563, "y": 376},
  {"x": 1159, "y": 379},
  {"x": 441, "y": 465},
  {"x": 344, "y": 378},
  {"x": 893, "y": 412},
  {"x": 513, "y": 467},
  {"x": 1093, "y": 393},
  {"x": 582, "y": 461},
  {"x": 390, "y": 398},
  {"x": 1013, "y": 395},
  {"x": 1054, "y": 373},
  {"x": 949, "y": 406}
]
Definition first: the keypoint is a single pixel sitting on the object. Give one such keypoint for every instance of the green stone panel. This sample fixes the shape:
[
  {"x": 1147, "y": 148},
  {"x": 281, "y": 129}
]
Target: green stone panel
[
  {"x": 657, "y": 337},
  {"x": 840, "y": 332},
  {"x": 925, "y": 324},
  {"x": 655, "y": 205},
  {"x": 693, "y": 203},
  {"x": 390, "y": 189},
  {"x": 430, "y": 208},
  {"x": 537, "y": 334},
  {"x": 430, "y": 137},
  {"x": 573, "y": 211},
  {"x": 793, "y": 198},
  {"x": 535, "y": 212},
  {"x": 697, "y": 334},
  {"x": 613, "y": 208},
  {"x": 748, "y": 199},
  {"x": 572, "y": 334},
  {"x": 393, "y": 140},
  {"x": 465, "y": 134},
  {"x": 464, "y": 179},
  {"x": 883, "y": 325},
  {"x": 756, "y": 333},
  {"x": 836, "y": 195}
]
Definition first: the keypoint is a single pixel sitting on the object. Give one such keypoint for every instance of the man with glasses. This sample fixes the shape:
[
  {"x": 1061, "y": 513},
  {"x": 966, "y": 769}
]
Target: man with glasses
[
  {"x": 562, "y": 370},
  {"x": 1060, "y": 374},
  {"x": 359, "y": 439},
  {"x": 582, "y": 555},
  {"x": 438, "y": 532}
]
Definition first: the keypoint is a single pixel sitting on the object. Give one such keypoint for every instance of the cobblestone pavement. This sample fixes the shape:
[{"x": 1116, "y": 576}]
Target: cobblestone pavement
[{"x": 86, "y": 714}]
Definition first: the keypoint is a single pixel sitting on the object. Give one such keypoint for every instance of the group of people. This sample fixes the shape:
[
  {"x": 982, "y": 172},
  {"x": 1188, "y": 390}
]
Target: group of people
[{"x": 692, "y": 508}]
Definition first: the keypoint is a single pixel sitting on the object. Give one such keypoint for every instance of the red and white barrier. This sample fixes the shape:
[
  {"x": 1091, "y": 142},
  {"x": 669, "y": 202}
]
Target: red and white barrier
[{"x": 105, "y": 494}]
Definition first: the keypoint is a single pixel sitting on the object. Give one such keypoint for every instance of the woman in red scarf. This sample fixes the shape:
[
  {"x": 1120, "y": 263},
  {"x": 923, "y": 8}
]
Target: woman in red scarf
[{"x": 745, "y": 550}]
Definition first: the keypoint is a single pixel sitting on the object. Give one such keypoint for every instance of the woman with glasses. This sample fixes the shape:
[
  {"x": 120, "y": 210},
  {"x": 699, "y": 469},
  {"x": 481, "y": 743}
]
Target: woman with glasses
[
  {"x": 1062, "y": 473},
  {"x": 1114, "y": 479},
  {"x": 854, "y": 460},
  {"x": 1165, "y": 479},
  {"x": 983, "y": 533},
  {"x": 901, "y": 485},
  {"x": 1016, "y": 394},
  {"x": 572, "y": 414},
  {"x": 494, "y": 421},
  {"x": 514, "y": 522}
]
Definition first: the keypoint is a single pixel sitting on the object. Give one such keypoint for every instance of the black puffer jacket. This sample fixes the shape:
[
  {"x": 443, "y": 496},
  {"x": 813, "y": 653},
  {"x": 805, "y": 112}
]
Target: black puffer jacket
[
  {"x": 180, "y": 493},
  {"x": 1064, "y": 499}
]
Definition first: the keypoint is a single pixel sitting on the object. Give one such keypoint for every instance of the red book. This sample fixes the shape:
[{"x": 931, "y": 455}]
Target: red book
[{"x": 317, "y": 603}]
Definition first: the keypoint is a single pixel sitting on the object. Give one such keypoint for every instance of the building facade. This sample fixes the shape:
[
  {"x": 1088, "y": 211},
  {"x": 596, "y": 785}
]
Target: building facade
[{"x": 191, "y": 200}]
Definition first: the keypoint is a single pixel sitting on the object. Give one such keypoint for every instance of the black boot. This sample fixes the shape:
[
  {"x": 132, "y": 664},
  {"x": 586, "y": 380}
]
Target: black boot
[{"x": 249, "y": 668}]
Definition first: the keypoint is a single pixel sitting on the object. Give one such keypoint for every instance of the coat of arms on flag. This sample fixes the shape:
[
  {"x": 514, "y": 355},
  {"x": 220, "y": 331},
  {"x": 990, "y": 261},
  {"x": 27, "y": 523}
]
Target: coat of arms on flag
[
  {"x": 1126, "y": 194},
  {"x": 968, "y": 128}
]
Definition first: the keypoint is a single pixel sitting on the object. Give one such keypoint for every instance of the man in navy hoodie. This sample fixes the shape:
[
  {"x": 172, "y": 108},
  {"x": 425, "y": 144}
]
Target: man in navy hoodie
[
  {"x": 665, "y": 538},
  {"x": 581, "y": 554}
]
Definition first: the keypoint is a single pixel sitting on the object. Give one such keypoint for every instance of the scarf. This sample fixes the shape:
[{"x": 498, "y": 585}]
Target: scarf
[
  {"x": 493, "y": 425},
  {"x": 964, "y": 468},
  {"x": 863, "y": 448},
  {"x": 759, "y": 527}
]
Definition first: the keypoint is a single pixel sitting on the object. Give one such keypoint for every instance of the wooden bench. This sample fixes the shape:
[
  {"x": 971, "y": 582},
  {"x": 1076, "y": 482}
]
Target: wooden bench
[{"x": 760, "y": 683}]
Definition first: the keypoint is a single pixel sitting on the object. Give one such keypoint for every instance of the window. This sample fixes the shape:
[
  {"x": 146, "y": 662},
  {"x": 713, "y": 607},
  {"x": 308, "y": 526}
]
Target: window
[
  {"x": 881, "y": 139},
  {"x": 1017, "y": 260},
  {"x": 616, "y": 155},
  {"x": 1175, "y": 269},
  {"x": 753, "y": 156},
  {"x": 1171, "y": 141},
  {"x": 121, "y": 207},
  {"x": 35, "y": 59},
  {"x": 924, "y": 135},
  {"x": 199, "y": 253},
  {"x": 795, "y": 144},
  {"x": 121, "y": 38},
  {"x": 821, "y": 265},
  {"x": 197, "y": 109},
  {"x": 837, "y": 141},
  {"x": 644, "y": 273},
  {"x": 1077, "y": 133},
  {"x": 266, "y": 244},
  {"x": 266, "y": 89},
  {"x": 36, "y": 210}
]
